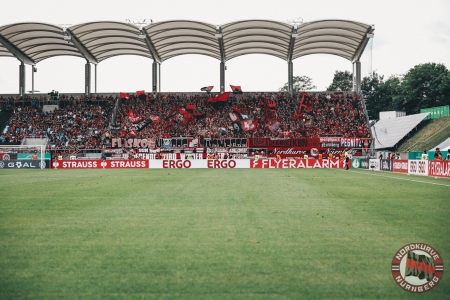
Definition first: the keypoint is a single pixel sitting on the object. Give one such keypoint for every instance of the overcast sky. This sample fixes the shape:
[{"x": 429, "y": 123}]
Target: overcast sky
[{"x": 407, "y": 33}]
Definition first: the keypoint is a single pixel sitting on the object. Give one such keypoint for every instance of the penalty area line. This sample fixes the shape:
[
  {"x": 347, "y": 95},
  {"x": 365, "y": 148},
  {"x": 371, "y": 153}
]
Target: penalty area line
[{"x": 406, "y": 179}]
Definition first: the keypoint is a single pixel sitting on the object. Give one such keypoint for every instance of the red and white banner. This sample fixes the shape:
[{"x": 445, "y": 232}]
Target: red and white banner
[
  {"x": 100, "y": 164},
  {"x": 418, "y": 167},
  {"x": 439, "y": 168},
  {"x": 400, "y": 166},
  {"x": 296, "y": 163}
]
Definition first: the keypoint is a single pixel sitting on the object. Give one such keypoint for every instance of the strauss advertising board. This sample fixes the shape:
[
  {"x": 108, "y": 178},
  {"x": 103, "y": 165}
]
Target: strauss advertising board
[{"x": 100, "y": 164}]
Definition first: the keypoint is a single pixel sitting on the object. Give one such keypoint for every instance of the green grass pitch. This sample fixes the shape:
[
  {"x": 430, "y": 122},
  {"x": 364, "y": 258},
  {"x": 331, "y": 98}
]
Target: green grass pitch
[{"x": 215, "y": 234}]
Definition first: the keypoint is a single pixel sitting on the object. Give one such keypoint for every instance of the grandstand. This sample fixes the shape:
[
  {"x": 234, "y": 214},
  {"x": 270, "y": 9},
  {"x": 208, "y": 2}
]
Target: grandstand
[
  {"x": 89, "y": 123},
  {"x": 268, "y": 122}
]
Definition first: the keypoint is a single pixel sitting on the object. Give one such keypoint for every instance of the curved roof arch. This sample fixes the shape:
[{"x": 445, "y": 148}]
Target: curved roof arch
[
  {"x": 343, "y": 38},
  {"x": 100, "y": 40},
  {"x": 104, "y": 39},
  {"x": 256, "y": 37},
  {"x": 25, "y": 37},
  {"x": 179, "y": 37}
]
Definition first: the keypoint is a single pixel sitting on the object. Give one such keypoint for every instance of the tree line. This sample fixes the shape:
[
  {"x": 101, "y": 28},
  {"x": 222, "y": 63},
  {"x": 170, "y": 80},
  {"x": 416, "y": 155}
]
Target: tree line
[{"x": 423, "y": 86}]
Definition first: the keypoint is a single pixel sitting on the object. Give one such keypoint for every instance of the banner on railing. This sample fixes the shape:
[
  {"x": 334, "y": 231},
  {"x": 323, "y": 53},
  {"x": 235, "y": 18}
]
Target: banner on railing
[
  {"x": 100, "y": 164},
  {"x": 418, "y": 167},
  {"x": 400, "y": 166},
  {"x": 385, "y": 165},
  {"x": 296, "y": 164},
  {"x": 24, "y": 164},
  {"x": 439, "y": 168},
  {"x": 365, "y": 163},
  {"x": 199, "y": 164},
  {"x": 374, "y": 164}
]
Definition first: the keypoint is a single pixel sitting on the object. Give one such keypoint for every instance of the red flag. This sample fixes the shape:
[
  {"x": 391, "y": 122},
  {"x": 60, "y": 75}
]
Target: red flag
[
  {"x": 124, "y": 95},
  {"x": 132, "y": 133},
  {"x": 136, "y": 120},
  {"x": 131, "y": 114},
  {"x": 235, "y": 88},
  {"x": 220, "y": 98},
  {"x": 154, "y": 118},
  {"x": 207, "y": 88},
  {"x": 138, "y": 93}
]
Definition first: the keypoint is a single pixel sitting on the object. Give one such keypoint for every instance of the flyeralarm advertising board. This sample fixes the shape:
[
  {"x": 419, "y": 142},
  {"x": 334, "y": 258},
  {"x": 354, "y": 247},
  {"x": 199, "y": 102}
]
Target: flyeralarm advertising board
[
  {"x": 439, "y": 168},
  {"x": 296, "y": 163}
]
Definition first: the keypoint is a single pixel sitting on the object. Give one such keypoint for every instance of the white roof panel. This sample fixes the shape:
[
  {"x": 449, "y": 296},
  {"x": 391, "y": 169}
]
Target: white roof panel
[
  {"x": 388, "y": 132},
  {"x": 97, "y": 41}
]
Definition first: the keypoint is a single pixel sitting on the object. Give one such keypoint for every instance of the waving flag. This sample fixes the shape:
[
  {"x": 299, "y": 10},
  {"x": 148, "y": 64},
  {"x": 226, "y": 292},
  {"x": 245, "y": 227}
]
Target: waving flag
[
  {"x": 133, "y": 118},
  {"x": 420, "y": 266},
  {"x": 207, "y": 88},
  {"x": 141, "y": 94},
  {"x": 124, "y": 96},
  {"x": 236, "y": 89},
  {"x": 219, "y": 98},
  {"x": 242, "y": 122},
  {"x": 154, "y": 118}
]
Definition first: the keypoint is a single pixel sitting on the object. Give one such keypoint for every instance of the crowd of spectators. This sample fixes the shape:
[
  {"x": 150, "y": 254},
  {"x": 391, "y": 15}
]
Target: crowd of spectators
[
  {"x": 78, "y": 125},
  {"x": 83, "y": 122},
  {"x": 321, "y": 114}
]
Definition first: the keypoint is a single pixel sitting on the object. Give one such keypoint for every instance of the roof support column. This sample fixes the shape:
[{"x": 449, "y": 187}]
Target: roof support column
[
  {"x": 357, "y": 76},
  {"x": 87, "y": 79},
  {"x": 291, "y": 78},
  {"x": 32, "y": 79},
  {"x": 156, "y": 69},
  {"x": 222, "y": 77},
  {"x": 95, "y": 70},
  {"x": 21, "y": 79}
]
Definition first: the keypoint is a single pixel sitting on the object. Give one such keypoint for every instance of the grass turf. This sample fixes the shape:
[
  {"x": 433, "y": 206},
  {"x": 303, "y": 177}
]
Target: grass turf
[{"x": 207, "y": 234}]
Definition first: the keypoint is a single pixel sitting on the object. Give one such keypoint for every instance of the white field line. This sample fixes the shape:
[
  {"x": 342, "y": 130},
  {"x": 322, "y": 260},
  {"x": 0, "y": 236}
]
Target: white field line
[{"x": 399, "y": 178}]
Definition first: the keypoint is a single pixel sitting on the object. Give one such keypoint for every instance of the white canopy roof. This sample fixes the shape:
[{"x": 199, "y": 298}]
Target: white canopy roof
[
  {"x": 388, "y": 132},
  {"x": 97, "y": 41}
]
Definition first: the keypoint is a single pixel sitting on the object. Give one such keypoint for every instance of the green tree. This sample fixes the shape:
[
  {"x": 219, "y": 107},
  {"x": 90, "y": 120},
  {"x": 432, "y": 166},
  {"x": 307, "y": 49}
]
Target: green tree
[
  {"x": 300, "y": 83},
  {"x": 342, "y": 81},
  {"x": 425, "y": 85},
  {"x": 370, "y": 87},
  {"x": 381, "y": 95}
]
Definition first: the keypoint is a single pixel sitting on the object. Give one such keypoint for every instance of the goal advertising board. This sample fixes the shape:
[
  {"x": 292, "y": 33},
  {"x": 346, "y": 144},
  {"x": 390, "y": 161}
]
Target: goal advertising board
[{"x": 24, "y": 164}]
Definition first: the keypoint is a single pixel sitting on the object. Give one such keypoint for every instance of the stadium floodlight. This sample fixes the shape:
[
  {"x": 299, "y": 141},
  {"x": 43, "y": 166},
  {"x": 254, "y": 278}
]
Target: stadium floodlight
[
  {"x": 141, "y": 35},
  {"x": 67, "y": 37}
]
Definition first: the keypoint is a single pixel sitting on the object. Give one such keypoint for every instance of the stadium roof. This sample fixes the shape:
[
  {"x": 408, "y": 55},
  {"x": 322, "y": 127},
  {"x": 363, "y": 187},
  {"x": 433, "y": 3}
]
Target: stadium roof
[
  {"x": 97, "y": 41},
  {"x": 444, "y": 146},
  {"x": 388, "y": 132}
]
